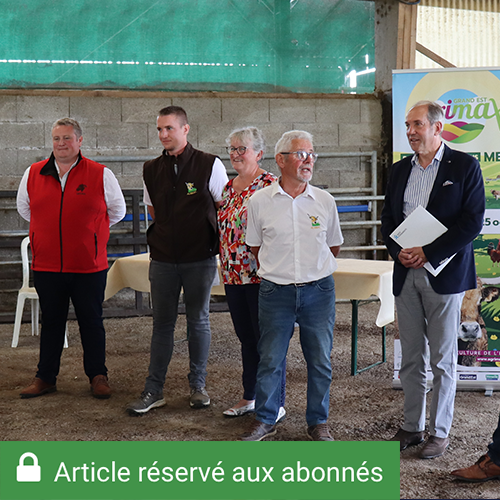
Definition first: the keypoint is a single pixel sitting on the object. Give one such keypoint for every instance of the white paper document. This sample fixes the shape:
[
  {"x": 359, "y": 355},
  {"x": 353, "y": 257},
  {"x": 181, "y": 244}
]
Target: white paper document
[{"x": 418, "y": 229}]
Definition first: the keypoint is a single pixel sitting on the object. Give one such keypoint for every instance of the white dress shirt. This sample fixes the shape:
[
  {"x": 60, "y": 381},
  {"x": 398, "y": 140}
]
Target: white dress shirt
[{"x": 294, "y": 234}]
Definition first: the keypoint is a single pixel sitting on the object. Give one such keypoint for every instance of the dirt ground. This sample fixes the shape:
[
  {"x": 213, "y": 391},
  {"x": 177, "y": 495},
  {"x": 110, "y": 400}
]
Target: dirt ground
[{"x": 364, "y": 407}]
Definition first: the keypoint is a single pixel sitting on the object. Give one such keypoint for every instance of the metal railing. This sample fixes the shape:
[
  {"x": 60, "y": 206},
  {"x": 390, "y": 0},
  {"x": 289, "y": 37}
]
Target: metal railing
[{"x": 356, "y": 193}]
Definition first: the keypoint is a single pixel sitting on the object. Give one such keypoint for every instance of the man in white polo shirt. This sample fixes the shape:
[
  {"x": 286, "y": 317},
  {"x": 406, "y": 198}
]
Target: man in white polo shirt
[{"x": 294, "y": 231}]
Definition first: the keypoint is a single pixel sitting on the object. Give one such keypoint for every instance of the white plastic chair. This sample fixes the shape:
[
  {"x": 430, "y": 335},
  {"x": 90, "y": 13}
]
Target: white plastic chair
[{"x": 27, "y": 292}]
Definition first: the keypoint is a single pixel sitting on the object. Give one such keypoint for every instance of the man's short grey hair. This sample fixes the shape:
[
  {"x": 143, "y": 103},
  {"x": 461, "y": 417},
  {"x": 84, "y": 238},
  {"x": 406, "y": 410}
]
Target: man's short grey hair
[
  {"x": 435, "y": 112},
  {"x": 69, "y": 122},
  {"x": 250, "y": 136},
  {"x": 284, "y": 144}
]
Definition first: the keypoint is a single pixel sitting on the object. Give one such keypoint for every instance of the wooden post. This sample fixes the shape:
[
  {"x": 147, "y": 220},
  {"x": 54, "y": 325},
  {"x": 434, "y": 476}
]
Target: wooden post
[{"x": 407, "y": 36}]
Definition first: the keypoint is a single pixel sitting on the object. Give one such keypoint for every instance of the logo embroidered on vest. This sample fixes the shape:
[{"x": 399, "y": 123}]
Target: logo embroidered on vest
[
  {"x": 314, "y": 220},
  {"x": 190, "y": 187},
  {"x": 81, "y": 188}
]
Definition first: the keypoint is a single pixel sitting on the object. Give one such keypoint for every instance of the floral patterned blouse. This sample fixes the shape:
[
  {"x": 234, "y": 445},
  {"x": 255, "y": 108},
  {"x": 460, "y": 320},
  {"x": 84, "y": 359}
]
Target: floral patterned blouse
[{"x": 238, "y": 265}]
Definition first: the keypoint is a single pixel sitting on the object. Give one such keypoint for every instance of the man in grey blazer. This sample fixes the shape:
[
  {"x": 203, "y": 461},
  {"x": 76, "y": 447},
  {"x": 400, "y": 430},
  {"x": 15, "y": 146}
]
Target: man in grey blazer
[{"x": 449, "y": 185}]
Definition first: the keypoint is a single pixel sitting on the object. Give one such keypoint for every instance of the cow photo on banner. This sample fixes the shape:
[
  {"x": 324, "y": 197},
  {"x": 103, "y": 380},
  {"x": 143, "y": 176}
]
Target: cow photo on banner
[{"x": 471, "y": 100}]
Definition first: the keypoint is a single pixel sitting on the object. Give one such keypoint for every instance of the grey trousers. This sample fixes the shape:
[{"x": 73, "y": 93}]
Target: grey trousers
[
  {"x": 428, "y": 326},
  {"x": 167, "y": 280}
]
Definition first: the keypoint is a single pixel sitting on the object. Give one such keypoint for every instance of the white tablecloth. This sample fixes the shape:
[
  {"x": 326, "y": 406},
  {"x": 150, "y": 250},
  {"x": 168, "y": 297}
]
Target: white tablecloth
[{"x": 354, "y": 279}]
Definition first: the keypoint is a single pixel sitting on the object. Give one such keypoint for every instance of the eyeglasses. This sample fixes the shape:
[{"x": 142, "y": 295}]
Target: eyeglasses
[
  {"x": 303, "y": 155},
  {"x": 241, "y": 150}
]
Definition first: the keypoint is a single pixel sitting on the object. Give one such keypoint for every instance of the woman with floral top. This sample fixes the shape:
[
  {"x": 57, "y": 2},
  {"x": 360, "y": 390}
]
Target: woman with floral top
[{"x": 238, "y": 265}]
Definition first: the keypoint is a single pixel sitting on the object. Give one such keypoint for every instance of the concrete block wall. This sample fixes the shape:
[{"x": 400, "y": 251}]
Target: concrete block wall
[
  {"x": 124, "y": 124},
  {"x": 119, "y": 125}
]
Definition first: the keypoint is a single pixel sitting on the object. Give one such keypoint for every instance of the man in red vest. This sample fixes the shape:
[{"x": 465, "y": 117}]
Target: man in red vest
[{"x": 70, "y": 202}]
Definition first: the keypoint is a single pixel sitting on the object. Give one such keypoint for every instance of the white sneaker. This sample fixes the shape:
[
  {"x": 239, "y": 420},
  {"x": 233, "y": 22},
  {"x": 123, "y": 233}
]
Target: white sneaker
[{"x": 281, "y": 415}]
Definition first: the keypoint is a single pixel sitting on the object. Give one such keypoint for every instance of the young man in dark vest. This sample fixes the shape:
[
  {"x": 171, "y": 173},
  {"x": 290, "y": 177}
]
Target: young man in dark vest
[{"x": 182, "y": 188}]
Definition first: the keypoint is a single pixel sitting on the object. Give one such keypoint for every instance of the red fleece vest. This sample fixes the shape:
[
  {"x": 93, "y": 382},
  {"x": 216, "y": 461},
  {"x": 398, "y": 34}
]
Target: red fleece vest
[{"x": 69, "y": 230}]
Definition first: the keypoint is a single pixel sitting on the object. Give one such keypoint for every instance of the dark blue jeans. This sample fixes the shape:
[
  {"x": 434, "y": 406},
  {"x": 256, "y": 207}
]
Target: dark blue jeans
[
  {"x": 312, "y": 306},
  {"x": 243, "y": 302},
  {"x": 86, "y": 291},
  {"x": 167, "y": 280}
]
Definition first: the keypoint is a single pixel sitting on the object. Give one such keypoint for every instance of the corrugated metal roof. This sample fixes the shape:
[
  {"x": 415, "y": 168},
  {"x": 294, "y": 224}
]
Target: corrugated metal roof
[{"x": 464, "y": 32}]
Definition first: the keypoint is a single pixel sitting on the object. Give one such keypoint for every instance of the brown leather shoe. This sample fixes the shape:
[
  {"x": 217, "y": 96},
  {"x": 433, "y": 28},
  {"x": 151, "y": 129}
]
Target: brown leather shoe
[
  {"x": 407, "y": 438},
  {"x": 37, "y": 388},
  {"x": 259, "y": 431},
  {"x": 434, "y": 447},
  {"x": 100, "y": 387},
  {"x": 483, "y": 470},
  {"x": 320, "y": 432}
]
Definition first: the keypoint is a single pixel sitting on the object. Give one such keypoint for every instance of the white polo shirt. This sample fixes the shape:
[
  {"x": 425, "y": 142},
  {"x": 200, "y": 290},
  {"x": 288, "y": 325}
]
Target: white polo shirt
[{"x": 294, "y": 234}]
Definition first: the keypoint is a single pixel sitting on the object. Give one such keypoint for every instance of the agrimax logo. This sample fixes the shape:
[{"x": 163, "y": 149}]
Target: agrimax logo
[{"x": 466, "y": 115}]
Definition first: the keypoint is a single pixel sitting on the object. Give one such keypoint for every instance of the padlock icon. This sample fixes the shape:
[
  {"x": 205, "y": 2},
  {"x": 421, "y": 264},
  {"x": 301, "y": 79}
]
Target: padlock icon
[{"x": 28, "y": 473}]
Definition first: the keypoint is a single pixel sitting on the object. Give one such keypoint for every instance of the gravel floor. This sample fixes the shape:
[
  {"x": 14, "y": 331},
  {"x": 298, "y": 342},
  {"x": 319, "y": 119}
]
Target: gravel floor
[{"x": 364, "y": 407}]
